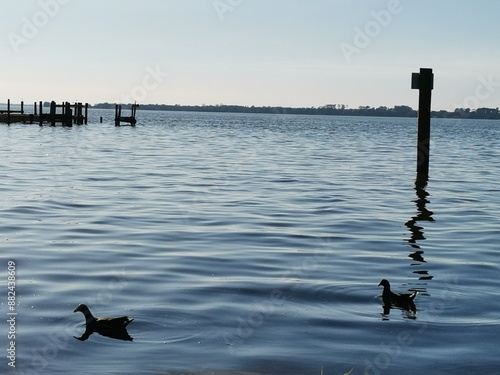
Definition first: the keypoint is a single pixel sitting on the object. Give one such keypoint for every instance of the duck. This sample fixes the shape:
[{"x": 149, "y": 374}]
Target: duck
[
  {"x": 397, "y": 299},
  {"x": 102, "y": 323}
]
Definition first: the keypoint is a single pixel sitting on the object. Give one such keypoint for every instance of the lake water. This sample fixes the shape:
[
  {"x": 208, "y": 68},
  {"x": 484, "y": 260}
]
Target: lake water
[{"x": 251, "y": 244}]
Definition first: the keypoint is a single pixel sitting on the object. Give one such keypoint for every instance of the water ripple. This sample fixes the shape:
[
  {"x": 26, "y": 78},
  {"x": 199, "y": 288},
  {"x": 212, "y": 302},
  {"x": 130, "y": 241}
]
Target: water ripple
[{"x": 252, "y": 243}]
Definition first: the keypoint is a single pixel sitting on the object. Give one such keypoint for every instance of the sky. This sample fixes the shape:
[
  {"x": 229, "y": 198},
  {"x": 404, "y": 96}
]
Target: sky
[{"x": 298, "y": 53}]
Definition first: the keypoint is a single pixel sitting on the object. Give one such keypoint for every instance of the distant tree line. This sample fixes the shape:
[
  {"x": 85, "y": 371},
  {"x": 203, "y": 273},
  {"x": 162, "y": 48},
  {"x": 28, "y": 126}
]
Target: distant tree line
[
  {"x": 480, "y": 113},
  {"x": 329, "y": 109}
]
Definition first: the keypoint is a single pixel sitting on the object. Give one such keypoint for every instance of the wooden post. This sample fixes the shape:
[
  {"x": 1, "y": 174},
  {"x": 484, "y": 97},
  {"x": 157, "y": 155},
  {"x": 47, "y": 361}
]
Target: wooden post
[
  {"x": 22, "y": 107},
  {"x": 118, "y": 114},
  {"x": 133, "y": 111},
  {"x": 41, "y": 114},
  {"x": 68, "y": 115},
  {"x": 53, "y": 113},
  {"x": 8, "y": 111},
  {"x": 77, "y": 112},
  {"x": 424, "y": 82},
  {"x": 86, "y": 113},
  {"x": 34, "y": 108}
]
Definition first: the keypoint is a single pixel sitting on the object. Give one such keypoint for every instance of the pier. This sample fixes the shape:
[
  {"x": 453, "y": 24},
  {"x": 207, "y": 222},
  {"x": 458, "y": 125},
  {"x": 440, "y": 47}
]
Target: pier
[
  {"x": 65, "y": 114},
  {"x": 127, "y": 119}
]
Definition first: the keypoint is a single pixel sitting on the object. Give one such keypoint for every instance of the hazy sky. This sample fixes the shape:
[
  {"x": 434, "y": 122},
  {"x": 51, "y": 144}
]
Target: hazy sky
[{"x": 250, "y": 52}]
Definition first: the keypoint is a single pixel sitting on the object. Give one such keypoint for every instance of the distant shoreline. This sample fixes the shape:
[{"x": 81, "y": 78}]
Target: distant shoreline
[{"x": 328, "y": 110}]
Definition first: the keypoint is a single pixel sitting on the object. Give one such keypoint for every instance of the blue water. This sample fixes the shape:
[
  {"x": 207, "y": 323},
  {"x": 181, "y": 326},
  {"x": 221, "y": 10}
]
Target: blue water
[{"x": 251, "y": 244}]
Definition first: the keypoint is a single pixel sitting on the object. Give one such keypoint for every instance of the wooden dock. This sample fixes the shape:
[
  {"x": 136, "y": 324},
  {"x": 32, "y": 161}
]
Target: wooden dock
[
  {"x": 65, "y": 114},
  {"x": 127, "y": 119}
]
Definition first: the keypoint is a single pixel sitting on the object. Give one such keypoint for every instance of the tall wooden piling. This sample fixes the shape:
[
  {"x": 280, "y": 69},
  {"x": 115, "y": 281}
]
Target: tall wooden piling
[
  {"x": 68, "y": 115},
  {"x": 424, "y": 82},
  {"x": 40, "y": 117},
  {"x": 8, "y": 111},
  {"x": 79, "y": 117},
  {"x": 78, "y": 114},
  {"x": 133, "y": 110},
  {"x": 53, "y": 113},
  {"x": 118, "y": 114}
]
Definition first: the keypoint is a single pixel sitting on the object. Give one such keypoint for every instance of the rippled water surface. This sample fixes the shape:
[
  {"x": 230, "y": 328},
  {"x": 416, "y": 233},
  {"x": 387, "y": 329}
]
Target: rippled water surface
[{"x": 251, "y": 244}]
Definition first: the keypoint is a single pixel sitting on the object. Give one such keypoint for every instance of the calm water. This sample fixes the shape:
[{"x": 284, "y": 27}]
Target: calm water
[{"x": 251, "y": 243}]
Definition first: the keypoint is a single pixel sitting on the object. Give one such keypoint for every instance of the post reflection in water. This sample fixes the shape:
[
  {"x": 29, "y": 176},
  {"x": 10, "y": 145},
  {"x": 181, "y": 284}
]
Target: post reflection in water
[{"x": 417, "y": 233}]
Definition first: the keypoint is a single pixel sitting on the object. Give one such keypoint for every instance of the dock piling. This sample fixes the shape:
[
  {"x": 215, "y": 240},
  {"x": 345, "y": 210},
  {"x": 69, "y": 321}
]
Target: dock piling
[
  {"x": 53, "y": 113},
  {"x": 40, "y": 116},
  {"x": 68, "y": 115}
]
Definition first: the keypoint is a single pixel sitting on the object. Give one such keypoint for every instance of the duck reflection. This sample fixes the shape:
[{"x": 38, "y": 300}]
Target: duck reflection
[
  {"x": 114, "y": 328},
  {"x": 113, "y": 333},
  {"x": 409, "y": 311}
]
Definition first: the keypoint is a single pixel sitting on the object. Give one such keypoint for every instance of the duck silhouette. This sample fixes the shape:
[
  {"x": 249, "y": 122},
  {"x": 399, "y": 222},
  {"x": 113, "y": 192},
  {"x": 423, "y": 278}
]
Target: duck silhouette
[
  {"x": 110, "y": 327},
  {"x": 397, "y": 299}
]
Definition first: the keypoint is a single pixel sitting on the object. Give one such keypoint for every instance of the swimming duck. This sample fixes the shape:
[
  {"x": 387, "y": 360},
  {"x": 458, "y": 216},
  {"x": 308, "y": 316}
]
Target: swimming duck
[
  {"x": 102, "y": 323},
  {"x": 391, "y": 298}
]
